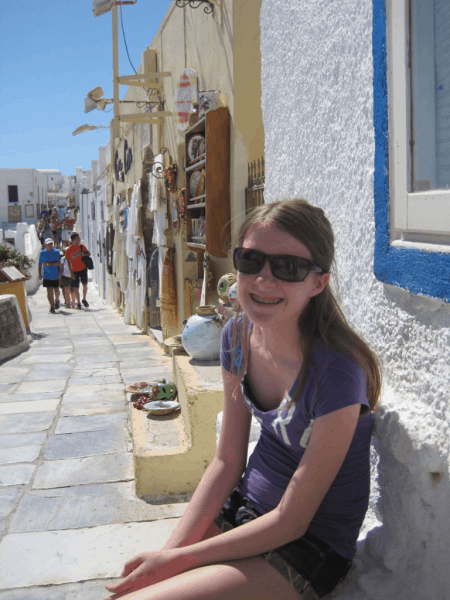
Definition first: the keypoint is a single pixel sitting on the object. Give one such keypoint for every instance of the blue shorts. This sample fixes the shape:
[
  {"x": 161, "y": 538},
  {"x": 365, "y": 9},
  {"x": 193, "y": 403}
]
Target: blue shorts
[
  {"x": 311, "y": 567},
  {"x": 83, "y": 275}
]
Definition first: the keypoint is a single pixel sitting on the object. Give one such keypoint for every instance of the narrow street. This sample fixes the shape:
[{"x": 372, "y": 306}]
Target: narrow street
[{"x": 69, "y": 518}]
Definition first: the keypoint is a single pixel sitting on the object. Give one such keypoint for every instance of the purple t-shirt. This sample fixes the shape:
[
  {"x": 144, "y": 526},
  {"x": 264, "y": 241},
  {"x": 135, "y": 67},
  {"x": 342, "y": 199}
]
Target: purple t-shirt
[{"x": 334, "y": 381}]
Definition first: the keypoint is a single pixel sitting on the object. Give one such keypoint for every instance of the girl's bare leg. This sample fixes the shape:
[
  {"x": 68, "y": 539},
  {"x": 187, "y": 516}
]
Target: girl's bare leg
[
  {"x": 75, "y": 296},
  {"x": 249, "y": 579}
]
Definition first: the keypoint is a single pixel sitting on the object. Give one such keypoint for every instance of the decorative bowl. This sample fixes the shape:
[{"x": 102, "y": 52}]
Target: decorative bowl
[{"x": 161, "y": 407}]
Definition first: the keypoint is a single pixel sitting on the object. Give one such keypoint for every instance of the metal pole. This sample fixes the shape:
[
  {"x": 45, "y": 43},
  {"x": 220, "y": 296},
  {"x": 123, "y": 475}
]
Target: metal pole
[{"x": 116, "y": 88}]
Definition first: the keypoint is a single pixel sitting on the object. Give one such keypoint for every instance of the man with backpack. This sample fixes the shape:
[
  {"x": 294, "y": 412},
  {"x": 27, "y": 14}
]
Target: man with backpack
[{"x": 78, "y": 270}]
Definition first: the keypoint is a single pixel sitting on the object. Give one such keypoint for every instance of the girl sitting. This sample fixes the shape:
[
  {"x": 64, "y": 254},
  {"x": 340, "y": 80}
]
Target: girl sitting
[{"x": 286, "y": 525}]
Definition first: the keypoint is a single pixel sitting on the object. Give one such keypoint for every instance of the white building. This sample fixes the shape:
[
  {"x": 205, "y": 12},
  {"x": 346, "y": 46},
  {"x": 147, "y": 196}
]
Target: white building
[
  {"x": 93, "y": 216},
  {"x": 97, "y": 221},
  {"x": 54, "y": 179},
  {"x": 336, "y": 106},
  {"x": 23, "y": 193}
]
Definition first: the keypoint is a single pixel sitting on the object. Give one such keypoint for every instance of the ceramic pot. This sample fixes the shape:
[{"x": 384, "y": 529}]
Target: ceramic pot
[
  {"x": 224, "y": 285},
  {"x": 202, "y": 333}
]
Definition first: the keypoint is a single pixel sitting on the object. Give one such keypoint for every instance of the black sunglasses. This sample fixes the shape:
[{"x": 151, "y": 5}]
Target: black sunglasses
[{"x": 282, "y": 266}]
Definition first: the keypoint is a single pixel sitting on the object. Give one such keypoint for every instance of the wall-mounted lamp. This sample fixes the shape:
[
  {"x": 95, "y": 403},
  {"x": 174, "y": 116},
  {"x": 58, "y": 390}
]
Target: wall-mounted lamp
[
  {"x": 86, "y": 127},
  {"x": 95, "y": 99},
  {"x": 208, "y": 9}
]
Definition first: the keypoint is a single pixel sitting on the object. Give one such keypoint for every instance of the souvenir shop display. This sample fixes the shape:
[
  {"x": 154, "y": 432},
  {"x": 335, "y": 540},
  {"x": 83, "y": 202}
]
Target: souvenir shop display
[
  {"x": 196, "y": 147},
  {"x": 161, "y": 391},
  {"x": 207, "y": 170}
]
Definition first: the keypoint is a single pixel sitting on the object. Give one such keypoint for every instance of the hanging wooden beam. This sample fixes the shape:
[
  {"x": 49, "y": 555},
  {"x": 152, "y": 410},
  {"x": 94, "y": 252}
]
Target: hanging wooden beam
[
  {"x": 150, "y": 86},
  {"x": 154, "y": 117},
  {"x": 125, "y": 79}
]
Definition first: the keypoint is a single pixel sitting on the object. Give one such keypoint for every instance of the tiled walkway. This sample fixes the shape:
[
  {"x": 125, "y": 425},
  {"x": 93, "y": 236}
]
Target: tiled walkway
[{"x": 69, "y": 518}]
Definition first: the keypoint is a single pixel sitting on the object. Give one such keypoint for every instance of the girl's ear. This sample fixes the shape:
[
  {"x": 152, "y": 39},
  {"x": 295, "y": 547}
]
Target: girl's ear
[{"x": 320, "y": 283}]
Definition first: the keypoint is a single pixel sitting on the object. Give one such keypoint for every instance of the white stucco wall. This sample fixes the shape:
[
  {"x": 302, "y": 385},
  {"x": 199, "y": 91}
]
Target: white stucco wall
[
  {"x": 317, "y": 108},
  {"x": 31, "y": 188},
  {"x": 32, "y": 250}
]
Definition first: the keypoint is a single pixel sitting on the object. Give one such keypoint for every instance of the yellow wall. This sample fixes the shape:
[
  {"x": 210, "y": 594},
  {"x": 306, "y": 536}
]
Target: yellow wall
[
  {"x": 18, "y": 289},
  {"x": 248, "y": 143},
  {"x": 225, "y": 52},
  {"x": 163, "y": 470}
]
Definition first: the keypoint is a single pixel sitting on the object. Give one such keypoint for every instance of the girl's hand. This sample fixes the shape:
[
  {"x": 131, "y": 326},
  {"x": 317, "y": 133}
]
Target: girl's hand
[{"x": 146, "y": 569}]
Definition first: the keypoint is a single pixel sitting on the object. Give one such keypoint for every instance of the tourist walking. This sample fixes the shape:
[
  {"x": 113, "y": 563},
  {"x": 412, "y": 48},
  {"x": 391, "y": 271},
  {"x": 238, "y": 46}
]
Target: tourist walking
[
  {"x": 41, "y": 231},
  {"x": 65, "y": 235},
  {"x": 78, "y": 270},
  {"x": 285, "y": 525},
  {"x": 49, "y": 268},
  {"x": 56, "y": 227},
  {"x": 65, "y": 281},
  {"x": 48, "y": 231}
]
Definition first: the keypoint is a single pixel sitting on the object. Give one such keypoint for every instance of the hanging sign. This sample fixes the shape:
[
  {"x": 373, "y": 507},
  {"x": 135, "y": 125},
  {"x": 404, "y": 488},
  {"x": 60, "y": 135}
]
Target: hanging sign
[{"x": 185, "y": 94}]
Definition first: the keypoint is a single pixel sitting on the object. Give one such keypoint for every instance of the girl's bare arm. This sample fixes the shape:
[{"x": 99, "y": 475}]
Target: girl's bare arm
[{"x": 329, "y": 443}]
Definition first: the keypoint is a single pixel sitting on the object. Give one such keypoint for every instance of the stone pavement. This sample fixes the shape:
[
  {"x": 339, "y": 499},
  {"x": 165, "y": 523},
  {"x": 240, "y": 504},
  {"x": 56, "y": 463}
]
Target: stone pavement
[{"x": 69, "y": 518}]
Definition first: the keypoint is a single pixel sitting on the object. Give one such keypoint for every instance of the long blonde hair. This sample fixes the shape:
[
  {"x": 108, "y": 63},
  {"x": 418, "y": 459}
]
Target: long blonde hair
[{"x": 322, "y": 318}]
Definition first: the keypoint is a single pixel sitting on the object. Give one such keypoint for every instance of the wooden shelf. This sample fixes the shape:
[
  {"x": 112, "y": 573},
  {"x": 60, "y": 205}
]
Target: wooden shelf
[
  {"x": 201, "y": 197},
  {"x": 194, "y": 206},
  {"x": 215, "y": 208},
  {"x": 196, "y": 166},
  {"x": 196, "y": 247},
  {"x": 192, "y": 163},
  {"x": 199, "y": 127}
]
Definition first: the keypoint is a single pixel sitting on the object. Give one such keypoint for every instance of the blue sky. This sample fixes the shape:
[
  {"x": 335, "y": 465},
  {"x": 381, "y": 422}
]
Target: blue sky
[{"x": 53, "y": 52}]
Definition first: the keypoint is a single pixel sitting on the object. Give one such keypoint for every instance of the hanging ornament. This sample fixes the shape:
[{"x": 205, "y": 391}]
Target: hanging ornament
[
  {"x": 171, "y": 178},
  {"x": 182, "y": 202}
]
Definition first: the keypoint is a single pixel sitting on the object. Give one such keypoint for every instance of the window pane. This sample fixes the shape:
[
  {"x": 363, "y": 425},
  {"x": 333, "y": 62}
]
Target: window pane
[
  {"x": 430, "y": 46},
  {"x": 13, "y": 193},
  {"x": 442, "y": 45}
]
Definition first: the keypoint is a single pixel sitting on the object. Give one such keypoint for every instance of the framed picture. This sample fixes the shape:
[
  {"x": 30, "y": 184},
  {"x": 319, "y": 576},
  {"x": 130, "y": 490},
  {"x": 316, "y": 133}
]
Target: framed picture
[
  {"x": 29, "y": 211},
  {"x": 14, "y": 213}
]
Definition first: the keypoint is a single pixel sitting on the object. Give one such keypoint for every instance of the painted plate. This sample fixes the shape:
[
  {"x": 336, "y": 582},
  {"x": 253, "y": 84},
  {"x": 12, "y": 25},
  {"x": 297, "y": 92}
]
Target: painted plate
[
  {"x": 138, "y": 386},
  {"x": 195, "y": 180},
  {"x": 185, "y": 94},
  {"x": 161, "y": 407},
  {"x": 196, "y": 146}
]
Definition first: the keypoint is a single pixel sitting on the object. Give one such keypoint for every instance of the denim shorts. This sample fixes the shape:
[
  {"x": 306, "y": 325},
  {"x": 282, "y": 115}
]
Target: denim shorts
[{"x": 311, "y": 567}]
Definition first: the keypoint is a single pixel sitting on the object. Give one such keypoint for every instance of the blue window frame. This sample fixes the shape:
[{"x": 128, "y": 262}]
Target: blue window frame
[{"x": 419, "y": 271}]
